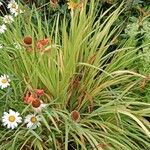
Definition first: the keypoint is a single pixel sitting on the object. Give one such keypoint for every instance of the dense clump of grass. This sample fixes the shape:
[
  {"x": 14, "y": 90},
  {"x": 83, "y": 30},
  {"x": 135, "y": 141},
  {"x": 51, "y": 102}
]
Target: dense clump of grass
[{"x": 79, "y": 74}]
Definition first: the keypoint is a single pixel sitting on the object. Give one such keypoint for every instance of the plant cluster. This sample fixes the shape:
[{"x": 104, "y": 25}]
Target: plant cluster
[{"x": 65, "y": 84}]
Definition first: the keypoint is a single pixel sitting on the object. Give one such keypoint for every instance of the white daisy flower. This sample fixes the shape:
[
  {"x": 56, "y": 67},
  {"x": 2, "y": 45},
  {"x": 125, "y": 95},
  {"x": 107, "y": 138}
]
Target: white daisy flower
[
  {"x": 32, "y": 121},
  {"x": 4, "y": 81},
  {"x": 1, "y": 46},
  {"x": 11, "y": 119},
  {"x": 13, "y": 6},
  {"x": 8, "y": 19},
  {"x": 38, "y": 105},
  {"x": 2, "y": 28}
]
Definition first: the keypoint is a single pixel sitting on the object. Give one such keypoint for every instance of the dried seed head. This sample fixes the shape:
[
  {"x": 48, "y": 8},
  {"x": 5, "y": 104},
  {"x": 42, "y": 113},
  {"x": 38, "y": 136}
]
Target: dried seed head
[
  {"x": 36, "y": 103},
  {"x": 75, "y": 115},
  {"x": 27, "y": 40}
]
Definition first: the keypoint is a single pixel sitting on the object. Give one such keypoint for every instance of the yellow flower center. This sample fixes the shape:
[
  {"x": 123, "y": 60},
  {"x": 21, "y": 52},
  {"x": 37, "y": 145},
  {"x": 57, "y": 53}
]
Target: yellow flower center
[
  {"x": 11, "y": 118},
  {"x": 13, "y": 5},
  {"x": 33, "y": 119},
  {"x": 4, "y": 80}
]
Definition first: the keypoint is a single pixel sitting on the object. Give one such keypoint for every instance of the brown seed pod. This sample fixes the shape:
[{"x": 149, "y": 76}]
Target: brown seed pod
[
  {"x": 36, "y": 103},
  {"x": 75, "y": 115},
  {"x": 27, "y": 40}
]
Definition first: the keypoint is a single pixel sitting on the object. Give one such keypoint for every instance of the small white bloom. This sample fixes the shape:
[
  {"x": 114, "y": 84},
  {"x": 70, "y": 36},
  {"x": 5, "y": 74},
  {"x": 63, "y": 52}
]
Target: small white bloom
[
  {"x": 38, "y": 105},
  {"x": 18, "y": 11},
  {"x": 1, "y": 3},
  {"x": 17, "y": 45},
  {"x": 1, "y": 46},
  {"x": 11, "y": 119},
  {"x": 2, "y": 28},
  {"x": 32, "y": 121},
  {"x": 13, "y": 6},
  {"x": 8, "y": 19},
  {"x": 4, "y": 81}
]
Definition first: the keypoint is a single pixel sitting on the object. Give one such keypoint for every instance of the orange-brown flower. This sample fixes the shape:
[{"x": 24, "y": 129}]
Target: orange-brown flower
[
  {"x": 28, "y": 98},
  {"x": 41, "y": 43},
  {"x": 32, "y": 97},
  {"x": 39, "y": 92},
  {"x": 75, "y": 115}
]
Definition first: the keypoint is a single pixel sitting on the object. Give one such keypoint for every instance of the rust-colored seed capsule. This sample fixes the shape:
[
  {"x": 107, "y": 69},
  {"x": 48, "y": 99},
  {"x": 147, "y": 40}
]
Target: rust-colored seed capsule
[
  {"x": 36, "y": 103},
  {"x": 75, "y": 115},
  {"x": 27, "y": 40}
]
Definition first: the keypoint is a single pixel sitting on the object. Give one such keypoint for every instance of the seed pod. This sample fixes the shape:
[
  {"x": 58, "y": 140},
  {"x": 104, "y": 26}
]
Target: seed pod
[
  {"x": 27, "y": 40},
  {"x": 75, "y": 115},
  {"x": 36, "y": 103}
]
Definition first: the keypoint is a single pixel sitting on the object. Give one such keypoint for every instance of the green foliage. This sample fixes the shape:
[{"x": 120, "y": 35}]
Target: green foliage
[
  {"x": 77, "y": 71},
  {"x": 138, "y": 31}
]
